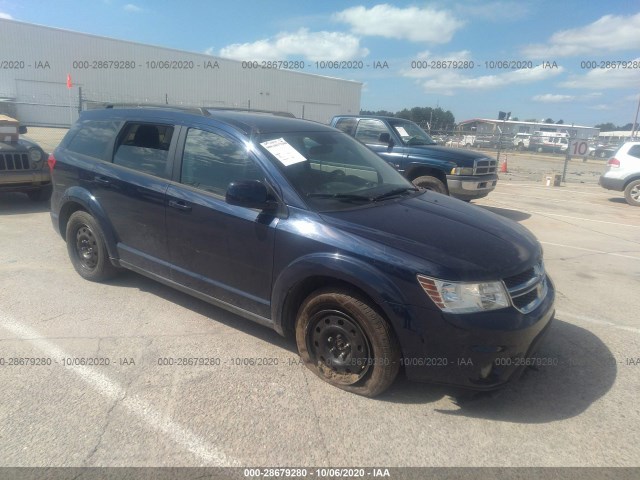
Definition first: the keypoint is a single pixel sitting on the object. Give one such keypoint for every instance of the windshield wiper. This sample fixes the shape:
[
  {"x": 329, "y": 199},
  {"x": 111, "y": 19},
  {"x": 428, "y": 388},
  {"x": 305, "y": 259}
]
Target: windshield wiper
[
  {"x": 340, "y": 196},
  {"x": 394, "y": 192}
]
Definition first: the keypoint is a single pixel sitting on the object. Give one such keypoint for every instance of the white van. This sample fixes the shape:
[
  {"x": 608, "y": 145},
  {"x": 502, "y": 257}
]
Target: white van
[{"x": 549, "y": 142}]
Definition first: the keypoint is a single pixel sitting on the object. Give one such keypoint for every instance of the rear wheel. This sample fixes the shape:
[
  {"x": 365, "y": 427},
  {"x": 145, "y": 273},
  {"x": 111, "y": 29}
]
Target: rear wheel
[
  {"x": 632, "y": 193},
  {"x": 87, "y": 249},
  {"x": 347, "y": 343},
  {"x": 430, "y": 183}
]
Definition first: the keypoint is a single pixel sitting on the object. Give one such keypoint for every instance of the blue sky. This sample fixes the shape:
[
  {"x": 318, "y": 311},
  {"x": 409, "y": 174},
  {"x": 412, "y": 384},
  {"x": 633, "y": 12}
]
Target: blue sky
[{"x": 561, "y": 35}]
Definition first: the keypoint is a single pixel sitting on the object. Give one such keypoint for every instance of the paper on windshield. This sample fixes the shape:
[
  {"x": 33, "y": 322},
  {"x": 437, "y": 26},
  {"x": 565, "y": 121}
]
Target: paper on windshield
[
  {"x": 402, "y": 132},
  {"x": 283, "y": 151}
]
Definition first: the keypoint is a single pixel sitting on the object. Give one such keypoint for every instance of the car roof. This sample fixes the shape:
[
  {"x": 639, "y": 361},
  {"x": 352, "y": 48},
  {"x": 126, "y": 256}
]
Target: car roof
[{"x": 247, "y": 122}]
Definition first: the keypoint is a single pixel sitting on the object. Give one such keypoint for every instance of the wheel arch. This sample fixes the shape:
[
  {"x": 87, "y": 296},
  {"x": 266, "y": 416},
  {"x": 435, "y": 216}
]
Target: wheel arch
[
  {"x": 77, "y": 199},
  {"x": 632, "y": 178},
  {"x": 419, "y": 171},
  {"x": 295, "y": 284}
]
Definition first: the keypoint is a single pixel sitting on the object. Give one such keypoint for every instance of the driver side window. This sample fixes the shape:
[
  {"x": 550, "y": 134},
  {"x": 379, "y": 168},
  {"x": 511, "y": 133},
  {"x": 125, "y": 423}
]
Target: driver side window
[{"x": 372, "y": 131}]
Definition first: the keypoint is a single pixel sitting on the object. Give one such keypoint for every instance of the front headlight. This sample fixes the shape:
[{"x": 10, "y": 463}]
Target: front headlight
[
  {"x": 459, "y": 297},
  {"x": 35, "y": 155},
  {"x": 462, "y": 171}
]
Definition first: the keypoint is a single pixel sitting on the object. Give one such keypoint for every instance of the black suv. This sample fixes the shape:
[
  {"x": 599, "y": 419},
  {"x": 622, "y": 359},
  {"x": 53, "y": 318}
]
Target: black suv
[
  {"x": 23, "y": 167},
  {"x": 463, "y": 174},
  {"x": 301, "y": 228}
]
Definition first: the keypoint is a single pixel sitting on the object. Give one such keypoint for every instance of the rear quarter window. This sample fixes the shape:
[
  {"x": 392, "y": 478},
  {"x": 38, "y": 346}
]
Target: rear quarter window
[
  {"x": 634, "y": 151},
  {"x": 93, "y": 137}
]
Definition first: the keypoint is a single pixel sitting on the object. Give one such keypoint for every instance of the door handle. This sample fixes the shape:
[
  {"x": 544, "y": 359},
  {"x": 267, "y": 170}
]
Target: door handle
[
  {"x": 179, "y": 205},
  {"x": 102, "y": 180}
]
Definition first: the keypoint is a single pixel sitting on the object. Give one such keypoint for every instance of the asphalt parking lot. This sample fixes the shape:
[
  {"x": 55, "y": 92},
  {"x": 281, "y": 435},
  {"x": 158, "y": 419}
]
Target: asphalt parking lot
[{"x": 580, "y": 410}]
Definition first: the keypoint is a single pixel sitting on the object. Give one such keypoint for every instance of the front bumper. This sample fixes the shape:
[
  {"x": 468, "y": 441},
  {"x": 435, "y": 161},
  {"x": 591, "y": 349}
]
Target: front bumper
[
  {"x": 481, "y": 351},
  {"x": 471, "y": 187},
  {"x": 24, "y": 180}
]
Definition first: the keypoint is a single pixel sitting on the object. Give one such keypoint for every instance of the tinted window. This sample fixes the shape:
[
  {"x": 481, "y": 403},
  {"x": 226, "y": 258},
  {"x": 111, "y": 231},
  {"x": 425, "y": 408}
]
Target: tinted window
[
  {"x": 144, "y": 147},
  {"x": 93, "y": 138},
  {"x": 346, "y": 125},
  {"x": 634, "y": 151},
  {"x": 370, "y": 131},
  {"x": 211, "y": 162}
]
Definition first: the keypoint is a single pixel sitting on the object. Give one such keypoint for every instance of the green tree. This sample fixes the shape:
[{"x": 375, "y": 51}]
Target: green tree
[
  {"x": 606, "y": 127},
  {"x": 548, "y": 120}
]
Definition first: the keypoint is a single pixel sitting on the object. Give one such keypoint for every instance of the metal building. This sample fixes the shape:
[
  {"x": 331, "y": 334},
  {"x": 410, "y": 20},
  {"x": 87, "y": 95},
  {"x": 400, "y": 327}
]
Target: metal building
[{"x": 48, "y": 74}]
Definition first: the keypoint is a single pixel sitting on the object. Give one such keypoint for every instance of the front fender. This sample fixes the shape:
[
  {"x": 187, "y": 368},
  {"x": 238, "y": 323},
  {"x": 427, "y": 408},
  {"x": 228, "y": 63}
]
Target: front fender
[
  {"x": 365, "y": 277},
  {"x": 80, "y": 196}
]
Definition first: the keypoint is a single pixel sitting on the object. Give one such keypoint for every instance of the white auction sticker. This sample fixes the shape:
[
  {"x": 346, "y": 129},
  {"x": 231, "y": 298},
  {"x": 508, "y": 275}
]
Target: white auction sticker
[
  {"x": 402, "y": 132},
  {"x": 283, "y": 151}
]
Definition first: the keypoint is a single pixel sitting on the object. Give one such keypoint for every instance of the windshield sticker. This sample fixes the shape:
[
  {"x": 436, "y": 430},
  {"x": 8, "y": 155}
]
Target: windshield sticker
[
  {"x": 402, "y": 132},
  {"x": 284, "y": 152}
]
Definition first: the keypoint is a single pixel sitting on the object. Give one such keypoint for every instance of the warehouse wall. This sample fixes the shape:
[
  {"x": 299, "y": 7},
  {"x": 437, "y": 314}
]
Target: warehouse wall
[{"x": 38, "y": 59}]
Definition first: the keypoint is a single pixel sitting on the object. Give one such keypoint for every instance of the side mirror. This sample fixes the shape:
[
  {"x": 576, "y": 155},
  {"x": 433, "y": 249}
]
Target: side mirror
[
  {"x": 22, "y": 129},
  {"x": 250, "y": 194}
]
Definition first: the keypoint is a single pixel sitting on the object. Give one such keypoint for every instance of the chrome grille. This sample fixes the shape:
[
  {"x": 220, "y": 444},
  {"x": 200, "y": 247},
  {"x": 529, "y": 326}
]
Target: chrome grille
[
  {"x": 484, "y": 166},
  {"x": 14, "y": 161},
  {"x": 528, "y": 289}
]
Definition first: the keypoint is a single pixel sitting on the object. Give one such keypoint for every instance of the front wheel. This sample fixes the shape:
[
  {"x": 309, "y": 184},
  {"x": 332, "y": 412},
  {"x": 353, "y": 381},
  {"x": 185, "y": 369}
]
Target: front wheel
[
  {"x": 430, "y": 183},
  {"x": 347, "y": 343},
  {"x": 632, "y": 193},
  {"x": 87, "y": 249}
]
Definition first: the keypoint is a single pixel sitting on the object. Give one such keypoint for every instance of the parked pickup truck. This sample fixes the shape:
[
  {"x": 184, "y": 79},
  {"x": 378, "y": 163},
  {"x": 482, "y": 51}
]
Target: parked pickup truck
[{"x": 461, "y": 173}]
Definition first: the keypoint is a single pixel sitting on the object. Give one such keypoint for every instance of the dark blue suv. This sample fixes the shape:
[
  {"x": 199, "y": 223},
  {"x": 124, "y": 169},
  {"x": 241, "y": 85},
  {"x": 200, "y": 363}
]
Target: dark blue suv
[{"x": 301, "y": 228}]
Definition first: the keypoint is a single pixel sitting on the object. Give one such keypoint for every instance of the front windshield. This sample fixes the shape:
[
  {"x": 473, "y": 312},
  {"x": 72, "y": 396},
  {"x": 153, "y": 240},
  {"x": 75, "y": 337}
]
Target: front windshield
[
  {"x": 411, "y": 134},
  {"x": 331, "y": 170}
]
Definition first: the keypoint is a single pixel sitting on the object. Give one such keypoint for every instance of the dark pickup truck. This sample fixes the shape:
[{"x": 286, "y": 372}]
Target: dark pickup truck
[{"x": 463, "y": 174}]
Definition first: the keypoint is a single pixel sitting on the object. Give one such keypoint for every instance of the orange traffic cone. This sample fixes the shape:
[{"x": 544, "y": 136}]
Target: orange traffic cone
[{"x": 503, "y": 165}]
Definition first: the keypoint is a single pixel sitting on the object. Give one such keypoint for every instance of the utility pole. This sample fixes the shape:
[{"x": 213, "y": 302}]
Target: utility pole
[{"x": 634, "y": 130}]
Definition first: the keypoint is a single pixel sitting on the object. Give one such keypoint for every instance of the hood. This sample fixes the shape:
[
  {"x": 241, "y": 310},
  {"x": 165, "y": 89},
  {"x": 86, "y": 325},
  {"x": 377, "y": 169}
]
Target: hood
[
  {"x": 21, "y": 145},
  {"x": 451, "y": 239},
  {"x": 457, "y": 155}
]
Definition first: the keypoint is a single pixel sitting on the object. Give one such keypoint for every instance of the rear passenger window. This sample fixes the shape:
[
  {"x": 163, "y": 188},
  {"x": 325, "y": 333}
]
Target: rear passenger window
[
  {"x": 145, "y": 147},
  {"x": 93, "y": 138},
  {"x": 346, "y": 125},
  {"x": 211, "y": 162},
  {"x": 371, "y": 130}
]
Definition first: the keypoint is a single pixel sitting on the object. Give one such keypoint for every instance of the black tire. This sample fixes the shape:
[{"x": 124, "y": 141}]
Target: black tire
[
  {"x": 347, "y": 343},
  {"x": 41, "y": 195},
  {"x": 430, "y": 183},
  {"x": 87, "y": 249},
  {"x": 632, "y": 193}
]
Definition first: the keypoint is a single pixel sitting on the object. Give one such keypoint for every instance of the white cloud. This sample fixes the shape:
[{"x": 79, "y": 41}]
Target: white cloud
[
  {"x": 605, "y": 78},
  {"x": 314, "y": 46},
  {"x": 412, "y": 23},
  {"x": 6, "y": 16},
  {"x": 553, "y": 98},
  {"x": 130, "y": 7},
  {"x": 611, "y": 33},
  {"x": 448, "y": 81}
]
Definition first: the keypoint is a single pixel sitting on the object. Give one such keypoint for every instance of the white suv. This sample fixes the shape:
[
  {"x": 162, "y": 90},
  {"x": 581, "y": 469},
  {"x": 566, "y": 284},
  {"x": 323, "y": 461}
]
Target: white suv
[{"x": 623, "y": 173}]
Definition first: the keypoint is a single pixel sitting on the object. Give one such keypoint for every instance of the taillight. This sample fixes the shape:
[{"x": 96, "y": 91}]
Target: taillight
[
  {"x": 51, "y": 161},
  {"x": 613, "y": 162}
]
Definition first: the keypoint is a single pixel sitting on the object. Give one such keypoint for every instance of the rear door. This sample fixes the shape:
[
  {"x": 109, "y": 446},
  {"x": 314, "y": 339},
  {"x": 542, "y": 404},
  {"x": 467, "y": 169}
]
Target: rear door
[
  {"x": 131, "y": 189},
  {"x": 221, "y": 250}
]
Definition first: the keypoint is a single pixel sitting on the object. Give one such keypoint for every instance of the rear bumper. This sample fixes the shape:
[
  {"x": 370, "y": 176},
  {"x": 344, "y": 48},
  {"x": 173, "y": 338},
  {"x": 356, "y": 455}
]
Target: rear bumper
[
  {"x": 471, "y": 187},
  {"x": 616, "y": 184}
]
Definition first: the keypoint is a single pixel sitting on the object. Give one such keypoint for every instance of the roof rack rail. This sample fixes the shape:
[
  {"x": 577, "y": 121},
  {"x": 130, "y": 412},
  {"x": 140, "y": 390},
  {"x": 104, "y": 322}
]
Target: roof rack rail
[
  {"x": 252, "y": 110},
  {"x": 195, "y": 110}
]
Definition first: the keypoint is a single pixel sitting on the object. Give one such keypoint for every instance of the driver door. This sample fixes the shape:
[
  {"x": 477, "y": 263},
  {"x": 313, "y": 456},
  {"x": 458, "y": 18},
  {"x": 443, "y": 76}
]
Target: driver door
[{"x": 376, "y": 135}]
